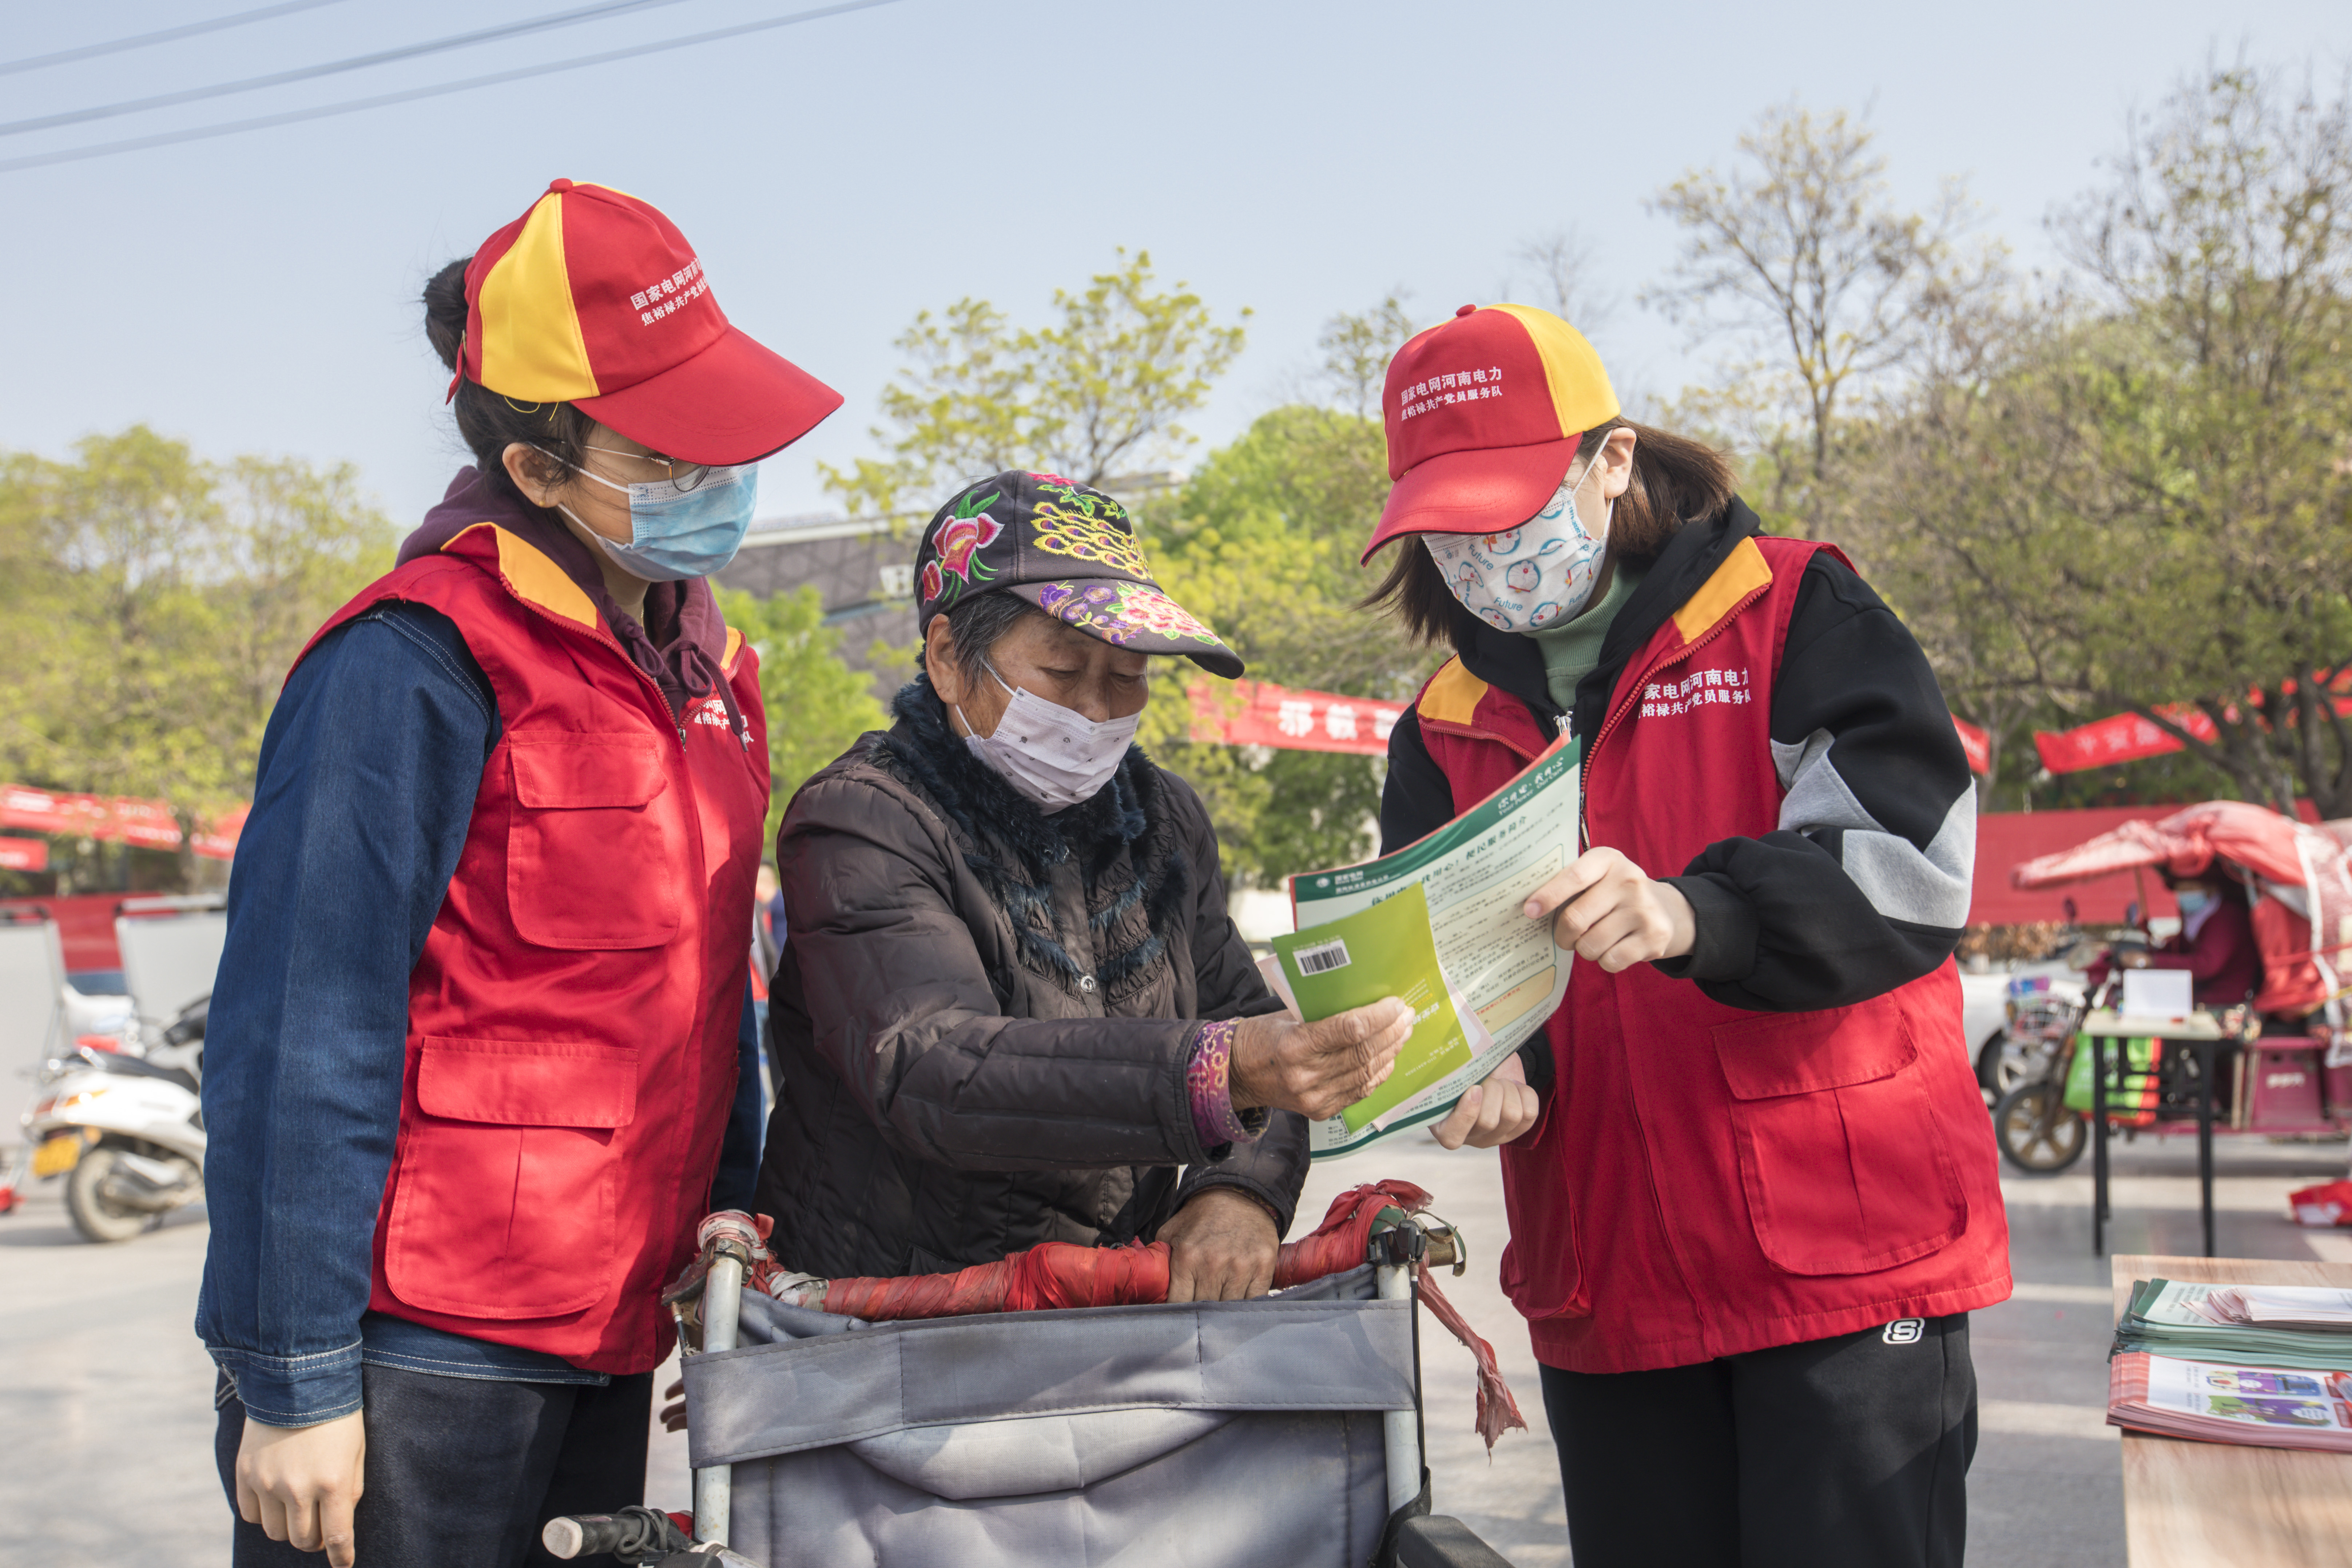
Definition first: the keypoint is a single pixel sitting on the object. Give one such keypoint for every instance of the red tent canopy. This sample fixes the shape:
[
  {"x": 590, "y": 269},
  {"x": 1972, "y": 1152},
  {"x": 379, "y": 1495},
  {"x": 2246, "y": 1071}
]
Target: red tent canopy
[
  {"x": 147, "y": 823},
  {"x": 2296, "y": 870},
  {"x": 2006, "y": 837}
]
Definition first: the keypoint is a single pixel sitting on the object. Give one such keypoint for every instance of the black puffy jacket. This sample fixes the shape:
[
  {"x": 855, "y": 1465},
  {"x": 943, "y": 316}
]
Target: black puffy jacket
[{"x": 983, "y": 1015}]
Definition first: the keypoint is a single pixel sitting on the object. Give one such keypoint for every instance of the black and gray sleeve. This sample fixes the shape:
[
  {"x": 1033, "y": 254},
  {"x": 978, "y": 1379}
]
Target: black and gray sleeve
[{"x": 1864, "y": 885}]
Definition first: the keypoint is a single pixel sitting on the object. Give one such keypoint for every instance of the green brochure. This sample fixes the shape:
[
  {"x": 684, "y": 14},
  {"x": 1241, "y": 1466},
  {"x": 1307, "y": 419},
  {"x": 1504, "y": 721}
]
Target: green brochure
[
  {"x": 1384, "y": 951},
  {"x": 1439, "y": 923}
]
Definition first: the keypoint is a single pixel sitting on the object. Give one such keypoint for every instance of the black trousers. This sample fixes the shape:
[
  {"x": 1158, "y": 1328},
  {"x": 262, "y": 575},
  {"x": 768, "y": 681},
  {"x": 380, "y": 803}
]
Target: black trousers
[
  {"x": 1844, "y": 1453},
  {"x": 466, "y": 1470}
]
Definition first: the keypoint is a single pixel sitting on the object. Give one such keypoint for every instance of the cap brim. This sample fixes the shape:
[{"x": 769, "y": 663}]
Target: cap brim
[
  {"x": 735, "y": 401},
  {"x": 1482, "y": 491},
  {"x": 1136, "y": 617}
]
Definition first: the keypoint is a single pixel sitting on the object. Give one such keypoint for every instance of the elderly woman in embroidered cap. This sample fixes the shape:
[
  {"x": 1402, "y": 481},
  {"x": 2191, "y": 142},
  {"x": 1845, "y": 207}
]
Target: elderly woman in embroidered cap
[{"x": 1012, "y": 1009}]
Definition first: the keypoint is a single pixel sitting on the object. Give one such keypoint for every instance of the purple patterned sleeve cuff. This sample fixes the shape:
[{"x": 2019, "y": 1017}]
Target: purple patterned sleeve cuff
[{"x": 1209, "y": 1076}]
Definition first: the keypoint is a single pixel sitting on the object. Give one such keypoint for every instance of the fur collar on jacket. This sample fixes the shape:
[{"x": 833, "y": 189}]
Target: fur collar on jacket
[{"x": 1121, "y": 840}]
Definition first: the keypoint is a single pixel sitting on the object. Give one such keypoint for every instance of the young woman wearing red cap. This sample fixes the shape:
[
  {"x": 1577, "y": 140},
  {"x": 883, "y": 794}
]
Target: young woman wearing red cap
[
  {"x": 1755, "y": 1202},
  {"x": 479, "y": 1018}
]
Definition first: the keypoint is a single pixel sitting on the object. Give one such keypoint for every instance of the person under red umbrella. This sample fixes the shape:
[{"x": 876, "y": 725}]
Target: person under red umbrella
[{"x": 2216, "y": 942}]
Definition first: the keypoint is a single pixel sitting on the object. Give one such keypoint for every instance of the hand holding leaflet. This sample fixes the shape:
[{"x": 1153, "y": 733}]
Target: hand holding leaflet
[
  {"x": 1499, "y": 1110},
  {"x": 1323, "y": 977},
  {"x": 1320, "y": 1066},
  {"x": 1606, "y": 909},
  {"x": 1441, "y": 924}
]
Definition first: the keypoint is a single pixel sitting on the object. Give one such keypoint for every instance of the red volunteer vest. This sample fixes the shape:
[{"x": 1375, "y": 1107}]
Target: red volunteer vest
[
  {"x": 1704, "y": 1180},
  {"x": 572, "y": 1024}
]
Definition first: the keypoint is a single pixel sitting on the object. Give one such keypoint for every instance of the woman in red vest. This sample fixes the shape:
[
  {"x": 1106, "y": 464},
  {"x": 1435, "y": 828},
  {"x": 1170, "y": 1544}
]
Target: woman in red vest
[
  {"x": 479, "y": 1020},
  {"x": 1757, "y": 1200}
]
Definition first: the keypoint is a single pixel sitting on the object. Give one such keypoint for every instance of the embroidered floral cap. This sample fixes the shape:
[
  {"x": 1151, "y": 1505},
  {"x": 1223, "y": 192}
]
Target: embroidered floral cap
[{"x": 1071, "y": 551}]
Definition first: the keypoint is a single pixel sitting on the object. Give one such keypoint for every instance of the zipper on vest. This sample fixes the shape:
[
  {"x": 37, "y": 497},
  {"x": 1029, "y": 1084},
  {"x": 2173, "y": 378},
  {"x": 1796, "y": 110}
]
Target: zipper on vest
[{"x": 599, "y": 634}]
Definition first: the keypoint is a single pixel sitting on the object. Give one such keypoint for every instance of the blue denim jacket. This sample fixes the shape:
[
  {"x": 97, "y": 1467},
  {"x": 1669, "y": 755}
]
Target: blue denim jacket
[{"x": 361, "y": 807}]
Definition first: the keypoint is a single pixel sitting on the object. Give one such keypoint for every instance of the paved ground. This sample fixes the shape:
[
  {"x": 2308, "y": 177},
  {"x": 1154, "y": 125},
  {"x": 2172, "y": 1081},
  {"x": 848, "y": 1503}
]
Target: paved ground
[{"x": 106, "y": 1398}]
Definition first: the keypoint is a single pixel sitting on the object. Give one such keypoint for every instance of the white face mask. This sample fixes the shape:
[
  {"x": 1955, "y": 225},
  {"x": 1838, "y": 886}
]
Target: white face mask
[
  {"x": 1532, "y": 577},
  {"x": 1054, "y": 755}
]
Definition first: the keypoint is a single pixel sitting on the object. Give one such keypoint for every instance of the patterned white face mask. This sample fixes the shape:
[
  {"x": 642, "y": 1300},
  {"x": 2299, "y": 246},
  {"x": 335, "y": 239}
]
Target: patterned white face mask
[
  {"x": 1532, "y": 577},
  {"x": 1054, "y": 755}
]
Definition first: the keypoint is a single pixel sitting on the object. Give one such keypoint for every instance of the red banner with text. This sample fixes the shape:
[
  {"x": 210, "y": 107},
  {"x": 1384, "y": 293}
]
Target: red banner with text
[
  {"x": 1260, "y": 713},
  {"x": 2124, "y": 738},
  {"x": 2127, "y": 737}
]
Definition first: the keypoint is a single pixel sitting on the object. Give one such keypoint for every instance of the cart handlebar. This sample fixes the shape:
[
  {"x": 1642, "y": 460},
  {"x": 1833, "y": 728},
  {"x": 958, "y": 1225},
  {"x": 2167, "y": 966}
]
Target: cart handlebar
[{"x": 634, "y": 1535}]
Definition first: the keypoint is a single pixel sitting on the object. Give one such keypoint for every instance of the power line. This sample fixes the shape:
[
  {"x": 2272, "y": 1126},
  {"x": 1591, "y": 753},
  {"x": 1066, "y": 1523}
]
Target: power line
[
  {"x": 335, "y": 68},
  {"x": 294, "y": 117},
  {"x": 116, "y": 46}
]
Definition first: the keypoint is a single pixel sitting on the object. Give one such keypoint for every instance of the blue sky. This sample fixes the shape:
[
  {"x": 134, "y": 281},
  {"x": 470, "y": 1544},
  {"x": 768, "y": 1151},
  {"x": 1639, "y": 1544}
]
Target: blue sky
[{"x": 257, "y": 293}]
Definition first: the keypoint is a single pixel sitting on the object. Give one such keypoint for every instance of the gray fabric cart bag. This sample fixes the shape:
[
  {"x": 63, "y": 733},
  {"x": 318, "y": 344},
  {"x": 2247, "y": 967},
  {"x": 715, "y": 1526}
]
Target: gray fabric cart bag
[{"x": 1208, "y": 1435}]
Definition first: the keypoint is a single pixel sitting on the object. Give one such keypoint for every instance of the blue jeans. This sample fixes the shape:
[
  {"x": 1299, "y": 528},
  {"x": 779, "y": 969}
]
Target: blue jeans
[{"x": 466, "y": 1470}]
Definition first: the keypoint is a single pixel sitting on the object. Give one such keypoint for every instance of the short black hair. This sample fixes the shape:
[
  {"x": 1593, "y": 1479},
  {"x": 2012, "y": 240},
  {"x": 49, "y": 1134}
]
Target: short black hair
[{"x": 979, "y": 623}]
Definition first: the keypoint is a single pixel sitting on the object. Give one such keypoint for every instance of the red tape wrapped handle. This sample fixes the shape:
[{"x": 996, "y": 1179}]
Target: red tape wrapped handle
[{"x": 1059, "y": 1274}]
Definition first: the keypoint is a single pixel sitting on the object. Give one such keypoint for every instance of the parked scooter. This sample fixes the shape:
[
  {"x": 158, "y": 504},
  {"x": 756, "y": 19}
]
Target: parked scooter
[
  {"x": 123, "y": 1126},
  {"x": 97, "y": 1013}
]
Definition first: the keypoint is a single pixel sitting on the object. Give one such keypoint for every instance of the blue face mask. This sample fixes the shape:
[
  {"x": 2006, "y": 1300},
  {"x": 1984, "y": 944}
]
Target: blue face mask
[
  {"x": 675, "y": 534},
  {"x": 2191, "y": 901}
]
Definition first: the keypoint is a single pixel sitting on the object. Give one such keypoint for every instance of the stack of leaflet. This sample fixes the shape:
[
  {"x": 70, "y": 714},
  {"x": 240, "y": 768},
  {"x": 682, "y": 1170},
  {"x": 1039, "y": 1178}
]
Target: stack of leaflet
[
  {"x": 2288, "y": 1325},
  {"x": 2264, "y": 1364}
]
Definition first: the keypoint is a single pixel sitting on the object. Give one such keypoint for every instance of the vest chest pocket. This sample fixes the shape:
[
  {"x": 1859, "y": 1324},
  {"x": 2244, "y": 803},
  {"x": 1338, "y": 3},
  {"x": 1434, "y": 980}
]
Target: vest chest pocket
[
  {"x": 505, "y": 1184},
  {"x": 592, "y": 846},
  {"x": 1844, "y": 1165}
]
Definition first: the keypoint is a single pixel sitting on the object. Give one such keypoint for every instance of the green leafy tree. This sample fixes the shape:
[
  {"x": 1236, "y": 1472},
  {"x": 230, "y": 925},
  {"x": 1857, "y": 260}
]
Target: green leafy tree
[
  {"x": 816, "y": 705},
  {"x": 1357, "y": 347},
  {"x": 2225, "y": 239},
  {"x": 1804, "y": 261},
  {"x": 160, "y": 603},
  {"x": 1261, "y": 542},
  {"x": 1097, "y": 395},
  {"x": 2145, "y": 502}
]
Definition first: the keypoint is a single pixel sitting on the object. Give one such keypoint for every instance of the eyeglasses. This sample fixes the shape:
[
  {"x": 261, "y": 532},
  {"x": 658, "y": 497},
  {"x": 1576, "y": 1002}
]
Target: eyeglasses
[{"x": 685, "y": 476}]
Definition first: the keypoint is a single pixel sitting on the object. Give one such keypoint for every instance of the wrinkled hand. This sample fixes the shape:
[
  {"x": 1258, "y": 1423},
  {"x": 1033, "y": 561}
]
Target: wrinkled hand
[
  {"x": 1317, "y": 1069},
  {"x": 1222, "y": 1247},
  {"x": 1609, "y": 911},
  {"x": 1494, "y": 1110},
  {"x": 301, "y": 1483}
]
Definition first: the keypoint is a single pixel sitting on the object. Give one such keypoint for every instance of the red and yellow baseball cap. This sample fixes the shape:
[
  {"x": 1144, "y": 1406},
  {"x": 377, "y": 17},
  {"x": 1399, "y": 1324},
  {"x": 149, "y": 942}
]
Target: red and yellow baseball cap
[
  {"x": 593, "y": 298},
  {"x": 1483, "y": 413}
]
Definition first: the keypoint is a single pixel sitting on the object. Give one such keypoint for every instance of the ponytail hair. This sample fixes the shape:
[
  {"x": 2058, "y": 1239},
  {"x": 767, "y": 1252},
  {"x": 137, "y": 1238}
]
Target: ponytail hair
[
  {"x": 1676, "y": 481},
  {"x": 489, "y": 422}
]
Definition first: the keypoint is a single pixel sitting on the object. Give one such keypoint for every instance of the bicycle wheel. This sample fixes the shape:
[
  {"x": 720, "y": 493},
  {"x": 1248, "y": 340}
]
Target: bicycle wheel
[
  {"x": 2036, "y": 1132},
  {"x": 2008, "y": 1059}
]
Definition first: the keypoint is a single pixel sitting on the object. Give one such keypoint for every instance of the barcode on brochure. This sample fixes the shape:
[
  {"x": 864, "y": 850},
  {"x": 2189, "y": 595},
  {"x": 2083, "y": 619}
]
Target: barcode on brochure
[{"x": 1323, "y": 957}]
